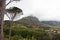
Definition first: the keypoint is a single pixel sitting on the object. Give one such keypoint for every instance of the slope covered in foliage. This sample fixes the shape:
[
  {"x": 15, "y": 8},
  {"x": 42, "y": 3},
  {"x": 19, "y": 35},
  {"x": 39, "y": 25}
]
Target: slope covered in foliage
[
  {"x": 31, "y": 21},
  {"x": 30, "y": 28}
]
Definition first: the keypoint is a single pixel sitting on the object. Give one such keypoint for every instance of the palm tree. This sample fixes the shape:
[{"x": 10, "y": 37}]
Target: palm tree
[
  {"x": 2, "y": 12},
  {"x": 12, "y": 13}
]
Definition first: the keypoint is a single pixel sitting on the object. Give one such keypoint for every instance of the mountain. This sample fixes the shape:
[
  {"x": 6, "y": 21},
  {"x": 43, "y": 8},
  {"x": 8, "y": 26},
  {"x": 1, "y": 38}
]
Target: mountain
[
  {"x": 30, "y": 22},
  {"x": 53, "y": 23}
]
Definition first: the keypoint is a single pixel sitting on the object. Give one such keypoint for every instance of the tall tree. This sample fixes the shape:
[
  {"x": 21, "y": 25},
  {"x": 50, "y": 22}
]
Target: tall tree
[
  {"x": 2, "y": 12},
  {"x": 12, "y": 13}
]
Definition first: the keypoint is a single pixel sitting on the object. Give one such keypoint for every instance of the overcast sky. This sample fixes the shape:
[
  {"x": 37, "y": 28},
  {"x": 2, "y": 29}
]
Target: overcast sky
[{"x": 43, "y": 9}]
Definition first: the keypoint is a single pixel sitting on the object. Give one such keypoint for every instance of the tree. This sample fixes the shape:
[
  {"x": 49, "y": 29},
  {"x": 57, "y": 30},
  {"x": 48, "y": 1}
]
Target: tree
[
  {"x": 2, "y": 12},
  {"x": 12, "y": 13}
]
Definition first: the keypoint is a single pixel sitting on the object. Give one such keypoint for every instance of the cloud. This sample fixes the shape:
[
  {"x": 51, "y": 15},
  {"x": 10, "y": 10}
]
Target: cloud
[
  {"x": 43, "y": 9},
  {"x": 47, "y": 9}
]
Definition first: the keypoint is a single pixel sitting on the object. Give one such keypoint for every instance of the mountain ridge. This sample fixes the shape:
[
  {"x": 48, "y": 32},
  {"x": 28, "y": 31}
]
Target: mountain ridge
[{"x": 53, "y": 23}]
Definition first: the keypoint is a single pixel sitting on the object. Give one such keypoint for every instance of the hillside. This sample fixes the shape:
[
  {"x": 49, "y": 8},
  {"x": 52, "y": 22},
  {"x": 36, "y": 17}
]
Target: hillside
[
  {"x": 30, "y": 27},
  {"x": 30, "y": 22}
]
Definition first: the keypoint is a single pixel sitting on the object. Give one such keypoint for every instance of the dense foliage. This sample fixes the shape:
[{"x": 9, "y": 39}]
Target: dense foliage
[{"x": 22, "y": 31}]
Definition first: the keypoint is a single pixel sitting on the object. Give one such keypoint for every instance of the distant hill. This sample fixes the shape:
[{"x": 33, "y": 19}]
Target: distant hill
[
  {"x": 30, "y": 22},
  {"x": 53, "y": 23}
]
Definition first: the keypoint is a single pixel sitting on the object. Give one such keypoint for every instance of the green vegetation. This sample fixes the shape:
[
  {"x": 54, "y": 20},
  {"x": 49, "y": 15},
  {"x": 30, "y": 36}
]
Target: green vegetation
[
  {"x": 26, "y": 33},
  {"x": 24, "y": 29}
]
